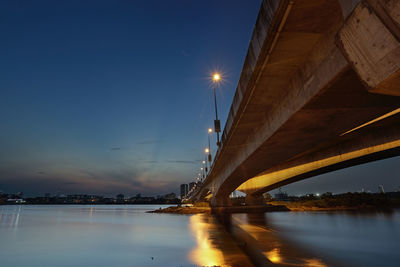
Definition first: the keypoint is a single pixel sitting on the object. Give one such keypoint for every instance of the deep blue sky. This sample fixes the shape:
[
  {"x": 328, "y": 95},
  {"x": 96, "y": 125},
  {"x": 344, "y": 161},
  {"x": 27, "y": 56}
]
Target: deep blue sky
[
  {"x": 113, "y": 96},
  {"x": 106, "y": 97}
]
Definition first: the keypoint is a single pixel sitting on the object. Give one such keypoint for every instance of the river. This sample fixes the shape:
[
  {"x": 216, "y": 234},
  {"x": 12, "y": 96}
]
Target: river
[{"x": 125, "y": 235}]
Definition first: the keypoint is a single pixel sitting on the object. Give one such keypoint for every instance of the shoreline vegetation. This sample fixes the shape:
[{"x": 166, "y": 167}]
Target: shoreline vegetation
[
  {"x": 347, "y": 201},
  {"x": 327, "y": 202}
]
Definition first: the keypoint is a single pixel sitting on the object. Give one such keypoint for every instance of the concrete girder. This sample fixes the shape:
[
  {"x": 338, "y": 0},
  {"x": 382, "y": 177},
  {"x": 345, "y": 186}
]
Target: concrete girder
[
  {"x": 316, "y": 71},
  {"x": 370, "y": 42},
  {"x": 372, "y": 144},
  {"x": 201, "y": 194}
]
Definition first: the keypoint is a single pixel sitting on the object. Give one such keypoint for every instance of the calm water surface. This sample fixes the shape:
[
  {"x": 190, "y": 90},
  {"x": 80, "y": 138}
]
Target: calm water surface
[{"x": 106, "y": 235}]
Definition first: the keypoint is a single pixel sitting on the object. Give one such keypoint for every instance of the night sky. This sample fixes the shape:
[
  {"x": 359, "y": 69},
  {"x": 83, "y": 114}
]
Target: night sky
[{"x": 107, "y": 97}]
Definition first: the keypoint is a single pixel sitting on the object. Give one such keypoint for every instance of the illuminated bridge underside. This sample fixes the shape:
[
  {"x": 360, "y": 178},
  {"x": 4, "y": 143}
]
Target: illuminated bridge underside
[
  {"x": 377, "y": 142},
  {"x": 314, "y": 71}
]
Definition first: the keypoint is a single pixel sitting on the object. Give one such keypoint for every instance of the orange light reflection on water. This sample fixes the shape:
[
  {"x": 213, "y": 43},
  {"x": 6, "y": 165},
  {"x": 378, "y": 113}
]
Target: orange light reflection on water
[
  {"x": 273, "y": 255},
  {"x": 205, "y": 254}
]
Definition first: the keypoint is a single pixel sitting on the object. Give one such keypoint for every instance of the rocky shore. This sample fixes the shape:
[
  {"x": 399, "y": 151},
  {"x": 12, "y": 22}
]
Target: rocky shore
[{"x": 183, "y": 210}]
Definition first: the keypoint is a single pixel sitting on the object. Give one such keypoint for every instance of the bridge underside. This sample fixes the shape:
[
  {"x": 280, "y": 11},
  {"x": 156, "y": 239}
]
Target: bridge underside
[
  {"x": 334, "y": 112},
  {"x": 379, "y": 140},
  {"x": 324, "y": 68}
]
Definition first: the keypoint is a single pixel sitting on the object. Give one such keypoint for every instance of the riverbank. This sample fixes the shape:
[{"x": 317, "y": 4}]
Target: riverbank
[
  {"x": 270, "y": 207},
  {"x": 232, "y": 209},
  {"x": 299, "y": 206},
  {"x": 183, "y": 210},
  {"x": 347, "y": 201}
]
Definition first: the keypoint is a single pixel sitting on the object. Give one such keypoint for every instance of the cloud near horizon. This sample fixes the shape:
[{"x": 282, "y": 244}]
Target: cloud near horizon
[{"x": 108, "y": 183}]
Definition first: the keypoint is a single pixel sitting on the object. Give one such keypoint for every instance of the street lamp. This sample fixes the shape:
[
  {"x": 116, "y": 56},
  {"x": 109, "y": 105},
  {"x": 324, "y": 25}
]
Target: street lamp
[
  {"x": 209, "y": 147},
  {"x": 205, "y": 165},
  {"x": 217, "y": 124}
]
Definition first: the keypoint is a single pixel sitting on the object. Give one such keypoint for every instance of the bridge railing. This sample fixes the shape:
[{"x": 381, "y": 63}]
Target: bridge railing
[{"x": 264, "y": 24}]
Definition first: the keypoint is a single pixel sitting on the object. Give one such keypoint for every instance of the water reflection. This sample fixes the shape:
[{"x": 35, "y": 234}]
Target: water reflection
[
  {"x": 349, "y": 238},
  {"x": 276, "y": 257},
  {"x": 264, "y": 245},
  {"x": 148, "y": 239},
  {"x": 205, "y": 253},
  {"x": 221, "y": 241},
  {"x": 214, "y": 245},
  {"x": 273, "y": 255},
  {"x": 272, "y": 246},
  {"x": 10, "y": 219}
]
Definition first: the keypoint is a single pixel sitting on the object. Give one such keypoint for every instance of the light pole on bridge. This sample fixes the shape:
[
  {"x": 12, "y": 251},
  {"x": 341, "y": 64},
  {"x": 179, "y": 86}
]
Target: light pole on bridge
[
  {"x": 209, "y": 147},
  {"x": 217, "y": 124}
]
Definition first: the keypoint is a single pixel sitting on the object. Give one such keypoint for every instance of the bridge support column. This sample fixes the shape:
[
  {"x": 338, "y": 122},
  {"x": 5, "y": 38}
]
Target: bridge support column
[
  {"x": 220, "y": 202},
  {"x": 254, "y": 200}
]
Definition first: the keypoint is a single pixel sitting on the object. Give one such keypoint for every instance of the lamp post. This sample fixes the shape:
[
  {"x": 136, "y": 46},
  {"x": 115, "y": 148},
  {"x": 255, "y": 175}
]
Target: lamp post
[
  {"x": 217, "y": 124},
  {"x": 209, "y": 147},
  {"x": 207, "y": 152},
  {"x": 205, "y": 167}
]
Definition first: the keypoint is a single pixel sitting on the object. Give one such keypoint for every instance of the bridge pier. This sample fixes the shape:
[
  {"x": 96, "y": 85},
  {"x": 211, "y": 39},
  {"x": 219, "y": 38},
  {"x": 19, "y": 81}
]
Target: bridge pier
[
  {"x": 216, "y": 202},
  {"x": 254, "y": 200}
]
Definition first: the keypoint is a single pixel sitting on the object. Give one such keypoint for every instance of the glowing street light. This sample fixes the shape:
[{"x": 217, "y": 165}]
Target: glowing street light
[
  {"x": 216, "y": 77},
  {"x": 217, "y": 124},
  {"x": 209, "y": 147}
]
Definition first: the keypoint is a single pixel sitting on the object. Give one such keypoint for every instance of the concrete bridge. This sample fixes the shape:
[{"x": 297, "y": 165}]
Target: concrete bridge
[{"x": 319, "y": 91}]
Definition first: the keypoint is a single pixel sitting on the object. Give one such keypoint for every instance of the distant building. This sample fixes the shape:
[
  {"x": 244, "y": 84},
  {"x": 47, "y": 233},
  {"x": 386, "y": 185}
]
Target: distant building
[
  {"x": 170, "y": 196},
  {"x": 381, "y": 190},
  {"x": 16, "y": 200},
  {"x": 184, "y": 190},
  {"x": 191, "y": 185},
  {"x": 120, "y": 198},
  {"x": 281, "y": 196}
]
